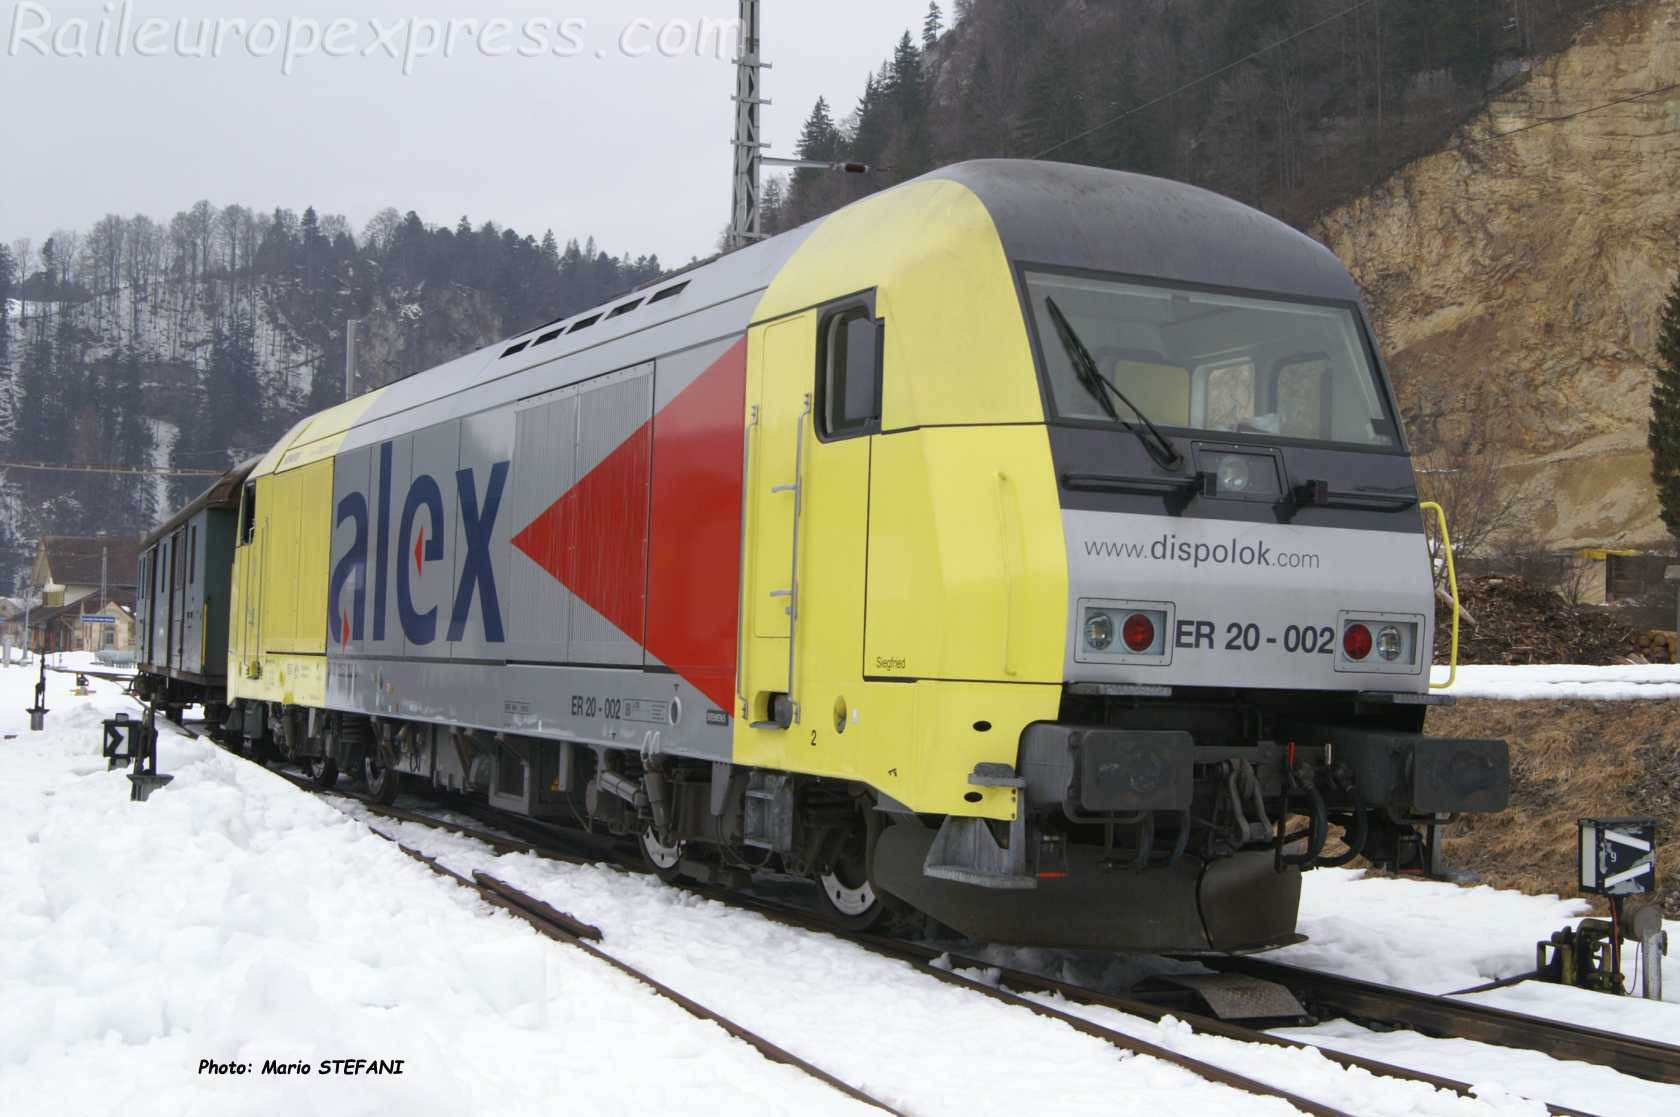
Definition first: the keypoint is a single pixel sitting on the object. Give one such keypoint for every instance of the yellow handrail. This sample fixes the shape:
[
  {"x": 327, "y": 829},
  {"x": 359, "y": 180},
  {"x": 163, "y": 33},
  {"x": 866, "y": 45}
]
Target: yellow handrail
[{"x": 1452, "y": 584}]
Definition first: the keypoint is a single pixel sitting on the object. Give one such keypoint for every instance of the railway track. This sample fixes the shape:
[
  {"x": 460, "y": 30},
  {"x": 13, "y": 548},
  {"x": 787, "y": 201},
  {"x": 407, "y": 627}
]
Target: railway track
[
  {"x": 1334, "y": 996},
  {"x": 566, "y": 928},
  {"x": 1357, "y": 1000},
  {"x": 1009, "y": 985}
]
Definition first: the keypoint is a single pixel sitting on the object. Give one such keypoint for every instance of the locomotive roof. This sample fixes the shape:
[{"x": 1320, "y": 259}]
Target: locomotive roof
[
  {"x": 1089, "y": 218},
  {"x": 1046, "y": 213}
]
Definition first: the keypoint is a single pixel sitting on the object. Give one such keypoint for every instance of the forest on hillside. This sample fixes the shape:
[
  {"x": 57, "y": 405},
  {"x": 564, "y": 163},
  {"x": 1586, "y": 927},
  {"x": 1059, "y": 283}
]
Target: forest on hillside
[
  {"x": 195, "y": 341},
  {"x": 192, "y": 342},
  {"x": 1291, "y": 106}
]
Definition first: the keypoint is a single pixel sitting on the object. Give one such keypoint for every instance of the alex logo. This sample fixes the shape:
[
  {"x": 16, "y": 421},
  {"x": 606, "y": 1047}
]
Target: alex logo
[{"x": 422, "y": 520}]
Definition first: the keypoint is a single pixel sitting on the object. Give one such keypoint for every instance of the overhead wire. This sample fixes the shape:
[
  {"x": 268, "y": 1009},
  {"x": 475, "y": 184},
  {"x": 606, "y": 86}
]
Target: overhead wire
[
  {"x": 1629, "y": 99},
  {"x": 115, "y": 470}
]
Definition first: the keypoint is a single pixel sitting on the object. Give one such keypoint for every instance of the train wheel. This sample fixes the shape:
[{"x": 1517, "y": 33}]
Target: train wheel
[
  {"x": 323, "y": 770},
  {"x": 663, "y": 858},
  {"x": 847, "y": 894},
  {"x": 383, "y": 783}
]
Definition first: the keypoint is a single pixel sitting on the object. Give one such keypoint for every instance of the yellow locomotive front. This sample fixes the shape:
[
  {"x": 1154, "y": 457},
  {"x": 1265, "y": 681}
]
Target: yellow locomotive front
[{"x": 1093, "y": 553}]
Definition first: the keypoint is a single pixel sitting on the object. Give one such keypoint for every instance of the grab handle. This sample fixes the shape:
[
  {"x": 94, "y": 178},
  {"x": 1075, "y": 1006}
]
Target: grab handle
[{"x": 1452, "y": 585}]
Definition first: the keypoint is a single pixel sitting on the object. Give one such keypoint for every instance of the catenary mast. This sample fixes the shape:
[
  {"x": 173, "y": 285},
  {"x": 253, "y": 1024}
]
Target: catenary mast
[{"x": 745, "y": 223}]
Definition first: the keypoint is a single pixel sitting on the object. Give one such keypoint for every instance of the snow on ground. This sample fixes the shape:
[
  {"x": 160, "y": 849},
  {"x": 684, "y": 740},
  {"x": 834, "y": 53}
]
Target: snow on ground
[
  {"x": 1437, "y": 937},
  {"x": 1618, "y": 683},
  {"x": 1379, "y": 928},
  {"x": 987, "y": 1057},
  {"x": 235, "y": 917}
]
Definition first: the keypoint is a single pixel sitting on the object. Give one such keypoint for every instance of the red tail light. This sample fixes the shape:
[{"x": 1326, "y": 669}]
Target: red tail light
[
  {"x": 1356, "y": 641},
  {"x": 1138, "y": 632}
]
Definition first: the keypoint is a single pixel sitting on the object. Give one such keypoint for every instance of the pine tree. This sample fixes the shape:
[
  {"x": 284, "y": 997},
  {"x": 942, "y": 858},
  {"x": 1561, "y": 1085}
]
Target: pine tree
[
  {"x": 906, "y": 87},
  {"x": 819, "y": 139},
  {"x": 932, "y": 25},
  {"x": 773, "y": 204},
  {"x": 1665, "y": 415}
]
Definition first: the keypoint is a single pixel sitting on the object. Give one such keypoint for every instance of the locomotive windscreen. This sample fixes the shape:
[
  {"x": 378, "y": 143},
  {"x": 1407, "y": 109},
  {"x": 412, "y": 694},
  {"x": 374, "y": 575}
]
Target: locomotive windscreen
[{"x": 1201, "y": 361}]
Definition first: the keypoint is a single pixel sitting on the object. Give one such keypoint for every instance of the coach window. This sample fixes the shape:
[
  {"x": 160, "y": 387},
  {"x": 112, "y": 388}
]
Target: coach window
[
  {"x": 248, "y": 514},
  {"x": 849, "y": 372},
  {"x": 192, "y": 555}
]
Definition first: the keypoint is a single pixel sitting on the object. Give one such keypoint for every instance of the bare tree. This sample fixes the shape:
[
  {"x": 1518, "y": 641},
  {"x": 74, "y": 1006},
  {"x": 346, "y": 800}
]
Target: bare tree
[{"x": 1464, "y": 465}]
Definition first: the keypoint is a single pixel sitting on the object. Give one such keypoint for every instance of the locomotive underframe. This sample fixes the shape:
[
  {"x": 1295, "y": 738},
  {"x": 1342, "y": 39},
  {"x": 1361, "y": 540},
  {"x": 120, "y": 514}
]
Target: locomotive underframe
[{"x": 1147, "y": 822}]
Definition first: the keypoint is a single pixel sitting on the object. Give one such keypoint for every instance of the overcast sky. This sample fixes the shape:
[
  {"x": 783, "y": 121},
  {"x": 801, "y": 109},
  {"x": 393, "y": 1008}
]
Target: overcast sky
[{"x": 580, "y": 137}]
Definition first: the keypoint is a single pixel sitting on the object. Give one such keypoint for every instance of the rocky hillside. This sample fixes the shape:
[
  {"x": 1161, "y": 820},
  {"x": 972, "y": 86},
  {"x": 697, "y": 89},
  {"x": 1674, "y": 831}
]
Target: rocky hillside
[{"x": 1523, "y": 267}]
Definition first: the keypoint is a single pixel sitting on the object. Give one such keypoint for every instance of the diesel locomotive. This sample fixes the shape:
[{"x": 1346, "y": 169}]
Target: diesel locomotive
[{"x": 1031, "y": 546}]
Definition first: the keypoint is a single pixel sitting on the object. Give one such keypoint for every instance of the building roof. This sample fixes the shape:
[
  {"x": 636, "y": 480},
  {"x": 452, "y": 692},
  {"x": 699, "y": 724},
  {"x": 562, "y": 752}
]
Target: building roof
[
  {"x": 75, "y": 560},
  {"x": 43, "y": 616}
]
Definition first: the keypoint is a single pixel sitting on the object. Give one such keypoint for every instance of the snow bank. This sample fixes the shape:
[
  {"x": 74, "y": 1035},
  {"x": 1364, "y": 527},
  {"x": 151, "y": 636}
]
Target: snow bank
[
  {"x": 234, "y": 918},
  {"x": 1437, "y": 937},
  {"x": 1619, "y": 683},
  {"x": 239, "y": 919}
]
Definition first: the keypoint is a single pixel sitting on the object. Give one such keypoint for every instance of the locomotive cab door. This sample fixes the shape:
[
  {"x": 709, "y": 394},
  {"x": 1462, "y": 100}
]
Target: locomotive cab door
[{"x": 814, "y": 392}]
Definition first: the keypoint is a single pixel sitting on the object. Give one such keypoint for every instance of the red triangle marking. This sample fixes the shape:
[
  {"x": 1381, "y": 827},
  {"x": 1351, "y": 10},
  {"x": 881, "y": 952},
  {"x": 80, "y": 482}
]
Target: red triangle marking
[
  {"x": 694, "y": 580},
  {"x": 419, "y": 543},
  {"x": 683, "y": 610},
  {"x": 607, "y": 507},
  {"x": 344, "y": 621}
]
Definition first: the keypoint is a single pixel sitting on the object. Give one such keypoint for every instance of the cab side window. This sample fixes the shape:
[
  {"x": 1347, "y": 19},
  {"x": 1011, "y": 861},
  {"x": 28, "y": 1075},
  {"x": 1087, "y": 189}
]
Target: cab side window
[
  {"x": 248, "y": 514},
  {"x": 849, "y": 347}
]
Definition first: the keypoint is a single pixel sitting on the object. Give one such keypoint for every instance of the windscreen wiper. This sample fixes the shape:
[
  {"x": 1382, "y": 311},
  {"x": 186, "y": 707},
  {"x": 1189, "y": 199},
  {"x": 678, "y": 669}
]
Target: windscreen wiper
[{"x": 1085, "y": 367}]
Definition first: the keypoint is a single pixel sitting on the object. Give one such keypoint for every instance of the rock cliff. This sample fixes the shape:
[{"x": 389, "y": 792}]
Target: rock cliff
[{"x": 1532, "y": 255}]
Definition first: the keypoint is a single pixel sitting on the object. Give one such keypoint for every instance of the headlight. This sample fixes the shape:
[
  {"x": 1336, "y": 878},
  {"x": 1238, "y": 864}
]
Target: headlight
[
  {"x": 1125, "y": 632},
  {"x": 1390, "y": 643},
  {"x": 1234, "y": 475},
  {"x": 1099, "y": 631}
]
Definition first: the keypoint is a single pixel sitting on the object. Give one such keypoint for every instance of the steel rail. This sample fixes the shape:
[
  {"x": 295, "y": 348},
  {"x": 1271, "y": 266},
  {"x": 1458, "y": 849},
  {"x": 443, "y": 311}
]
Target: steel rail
[
  {"x": 565, "y": 927},
  {"x": 570, "y": 931},
  {"x": 1443, "y": 1016},
  {"x": 529, "y": 907},
  {"x": 1027, "y": 981},
  {"x": 923, "y": 958}
]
